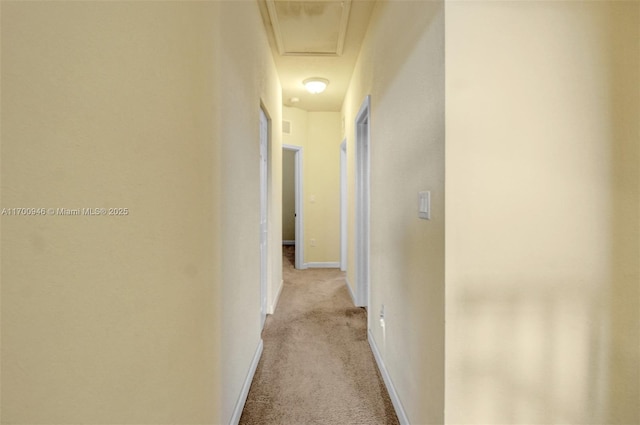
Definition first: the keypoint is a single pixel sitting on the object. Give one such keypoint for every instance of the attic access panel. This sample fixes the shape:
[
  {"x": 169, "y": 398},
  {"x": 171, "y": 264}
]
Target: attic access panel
[{"x": 309, "y": 28}]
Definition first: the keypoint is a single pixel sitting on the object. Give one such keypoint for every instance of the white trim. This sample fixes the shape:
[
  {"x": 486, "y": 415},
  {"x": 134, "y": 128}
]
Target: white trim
[
  {"x": 277, "y": 298},
  {"x": 288, "y": 242},
  {"x": 326, "y": 265},
  {"x": 265, "y": 163},
  {"x": 237, "y": 411},
  {"x": 343, "y": 205},
  {"x": 353, "y": 298},
  {"x": 397, "y": 404},
  {"x": 273, "y": 16},
  {"x": 299, "y": 188},
  {"x": 344, "y": 20},
  {"x": 363, "y": 197}
]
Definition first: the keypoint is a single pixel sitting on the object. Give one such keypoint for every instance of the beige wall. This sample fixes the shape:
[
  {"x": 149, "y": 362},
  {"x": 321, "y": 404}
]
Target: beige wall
[
  {"x": 542, "y": 212},
  {"x": 322, "y": 187},
  {"x": 109, "y": 319},
  {"x": 247, "y": 78},
  {"x": 624, "y": 360},
  {"x": 288, "y": 195},
  {"x": 154, "y": 107},
  {"x": 405, "y": 77},
  {"x": 319, "y": 133}
]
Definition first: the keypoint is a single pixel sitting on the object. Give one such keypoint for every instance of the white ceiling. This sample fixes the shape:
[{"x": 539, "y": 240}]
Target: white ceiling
[{"x": 315, "y": 38}]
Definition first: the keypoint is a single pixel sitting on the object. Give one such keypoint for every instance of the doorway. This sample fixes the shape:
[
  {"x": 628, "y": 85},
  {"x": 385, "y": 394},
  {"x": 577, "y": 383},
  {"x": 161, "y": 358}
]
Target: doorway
[
  {"x": 298, "y": 213},
  {"x": 362, "y": 202},
  {"x": 264, "y": 236}
]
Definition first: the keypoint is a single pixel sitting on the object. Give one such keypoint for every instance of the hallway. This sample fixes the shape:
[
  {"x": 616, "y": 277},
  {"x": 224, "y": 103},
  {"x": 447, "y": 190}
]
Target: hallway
[
  {"x": 316, "y": 367},
  {"x": 503, "y": 207}
]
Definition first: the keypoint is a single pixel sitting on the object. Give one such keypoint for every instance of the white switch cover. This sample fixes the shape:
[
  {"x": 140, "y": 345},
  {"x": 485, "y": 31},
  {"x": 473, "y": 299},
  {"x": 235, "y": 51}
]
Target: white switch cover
[{"x": 424, "y": 205}]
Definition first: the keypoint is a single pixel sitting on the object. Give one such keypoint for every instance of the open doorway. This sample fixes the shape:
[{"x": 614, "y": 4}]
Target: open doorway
[
  {"x": 362, "y": 203},
  {"x": 292, "y": 213}
]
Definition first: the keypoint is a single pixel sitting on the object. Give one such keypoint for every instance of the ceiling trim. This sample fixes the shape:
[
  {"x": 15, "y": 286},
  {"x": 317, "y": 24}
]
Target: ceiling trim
[
  {"x": 275, "y": 25},
  {"x": 277, "y": 31},
  {"x": 344, "y": 21}
]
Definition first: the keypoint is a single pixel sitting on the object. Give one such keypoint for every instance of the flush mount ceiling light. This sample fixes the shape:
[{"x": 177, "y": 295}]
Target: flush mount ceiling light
[{"x": 315, "y": 85}]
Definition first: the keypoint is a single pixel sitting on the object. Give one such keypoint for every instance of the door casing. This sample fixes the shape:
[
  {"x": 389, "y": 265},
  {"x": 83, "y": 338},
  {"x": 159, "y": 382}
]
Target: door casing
[
  {"x": 299, "y": 244},
  {"x": 343, "y": 205},
  {"x": 363, "y": 175},
  {"x": 264, "y": 216}
]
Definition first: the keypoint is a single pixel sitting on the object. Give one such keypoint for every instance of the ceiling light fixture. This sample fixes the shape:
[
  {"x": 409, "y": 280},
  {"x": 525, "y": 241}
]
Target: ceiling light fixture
[{"x": 315, "y": 85}]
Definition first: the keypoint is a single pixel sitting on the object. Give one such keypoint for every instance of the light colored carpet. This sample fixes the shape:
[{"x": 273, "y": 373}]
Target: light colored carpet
[{"x": 317, "y": 366}]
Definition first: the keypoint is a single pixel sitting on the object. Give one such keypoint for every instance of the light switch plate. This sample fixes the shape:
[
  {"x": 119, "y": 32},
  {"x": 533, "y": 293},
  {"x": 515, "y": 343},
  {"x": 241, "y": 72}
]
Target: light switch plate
[{"x": 424, "y": 205}]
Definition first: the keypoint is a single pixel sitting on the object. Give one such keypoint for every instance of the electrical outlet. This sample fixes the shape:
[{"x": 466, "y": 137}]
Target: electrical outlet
[{"x": 382, "y": 315}]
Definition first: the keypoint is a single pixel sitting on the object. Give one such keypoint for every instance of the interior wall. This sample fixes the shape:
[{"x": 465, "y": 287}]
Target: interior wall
[
  {"x": 322, "y": 187},
  {"x": 624, "y": 308},
  {"x": 288, "y": 195},
  {"x": 404, "y": 75},
  {"x": 542, "y": 199},
  {"x": 247, "y": 78},
  {"x": 320, "y": 135},
  {"x": 109, "y": 319}
]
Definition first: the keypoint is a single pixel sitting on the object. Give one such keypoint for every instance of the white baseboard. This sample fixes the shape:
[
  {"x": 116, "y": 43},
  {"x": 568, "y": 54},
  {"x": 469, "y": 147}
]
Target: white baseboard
[
  {"x": 397, "y": 404},
  {"x": 288, "y": 242},
  {"x": 334, "y": 265},
  {"x": 277, "y": 298},
  {"x": 353, "y": 298},
  {"x": 237, "y": 411}
]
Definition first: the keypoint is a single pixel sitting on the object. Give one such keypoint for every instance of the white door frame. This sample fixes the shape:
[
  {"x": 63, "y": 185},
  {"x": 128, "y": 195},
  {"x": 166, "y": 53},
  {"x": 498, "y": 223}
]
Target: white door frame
[
  {"x": 343, "y": 205},
  {"x": 363, "y": 173},
  {"x": 298, "y": 201},
  {"x": 264, "y": 216}
]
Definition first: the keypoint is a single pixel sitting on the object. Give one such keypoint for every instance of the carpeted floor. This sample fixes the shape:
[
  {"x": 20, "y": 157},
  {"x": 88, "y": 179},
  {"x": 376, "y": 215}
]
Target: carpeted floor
[{"x": 317, "y": 366}]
